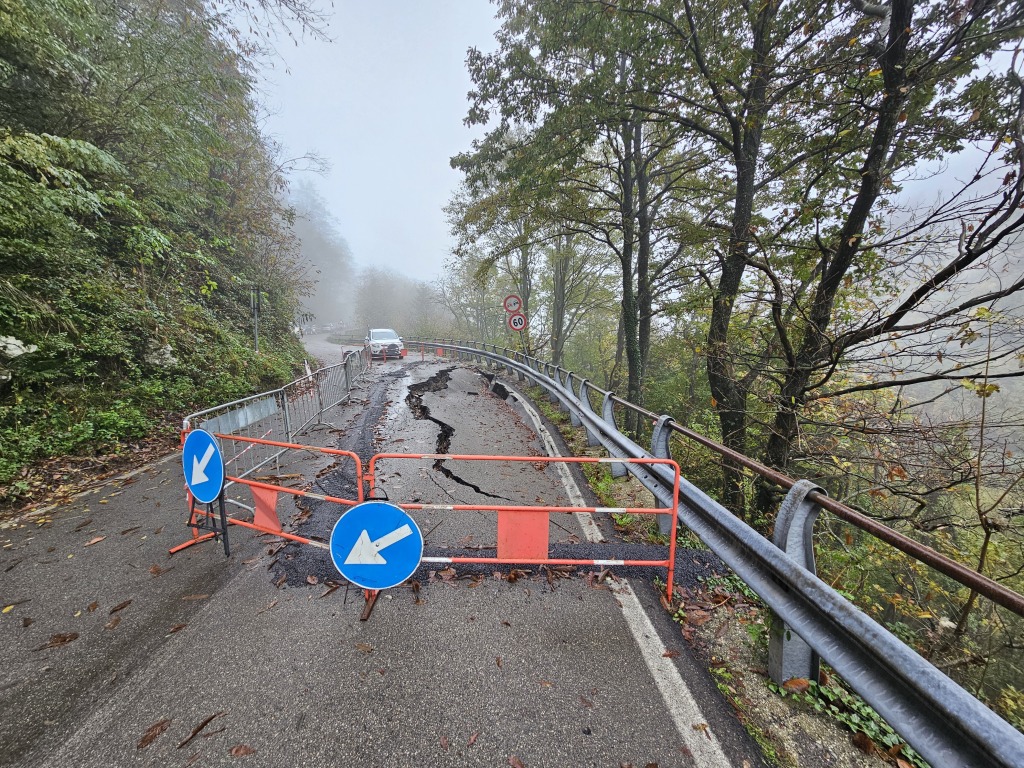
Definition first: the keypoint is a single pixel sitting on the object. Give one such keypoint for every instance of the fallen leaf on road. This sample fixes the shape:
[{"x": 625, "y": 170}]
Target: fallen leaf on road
[
  {"x": 241, "y": 750},
  {"x": 670, "y": 654},
  {"x": 515, "y": 762},
  {"x": 195, "y": 597},
  {"x": 497, "y": 660},
  {"x": 797, "y": 685},
  {"x": 586, "y": 703},
  {"x": 365, "y": 647},
  {"x": 473, "y": 738},
  {"x": 312, "y": 580},
  {"x": 281, "y": 580},
  {"x": 112, "y": 624},
  {"x": 697, "y": 617},
  {"x": 27, "y": 622},
  {"x": 264, "y": 610},
  {"x": 331, "y": 588},
  {"x": 444, "y": 743},
  {"x": 198, "y": 728},
  {"x": 703, "y": 727},
  {"x": 176, "y": 628},
  {"x": 126, "y": 531},
  {"x": 56, "y": 641},
  {"x": 120, "y": 606},
  {"x": 93, "y": 606},
  {"x": 546, "y": 684},
  {"x": 864, "y": 743},
  {"x": 82, "y": 525},
  {"x": 96, "y": 540},
  {"x": 150, "y": 735},
  {"x": 156, "y": 570}
]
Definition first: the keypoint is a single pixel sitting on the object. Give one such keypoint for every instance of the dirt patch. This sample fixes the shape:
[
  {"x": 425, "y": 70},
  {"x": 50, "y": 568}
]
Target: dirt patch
[
  {"x": 728, "y": 632},
  {"x": 58, "y": 480}
]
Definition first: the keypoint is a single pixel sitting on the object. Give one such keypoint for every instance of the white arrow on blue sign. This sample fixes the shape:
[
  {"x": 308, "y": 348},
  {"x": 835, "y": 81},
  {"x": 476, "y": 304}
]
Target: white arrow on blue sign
[
  {"x": 376, "y": 545},
  {"x": 203, "y": 465}
]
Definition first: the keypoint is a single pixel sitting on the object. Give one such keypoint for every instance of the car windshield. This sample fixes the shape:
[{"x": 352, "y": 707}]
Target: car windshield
[{"x": 383, "y": 334}]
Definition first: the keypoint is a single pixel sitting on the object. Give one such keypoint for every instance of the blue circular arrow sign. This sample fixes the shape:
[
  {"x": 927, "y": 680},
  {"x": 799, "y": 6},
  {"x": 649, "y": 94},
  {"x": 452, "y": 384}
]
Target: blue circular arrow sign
[
  {"x": 203, "y": 464},
  {"x": 376, "y": 545}
]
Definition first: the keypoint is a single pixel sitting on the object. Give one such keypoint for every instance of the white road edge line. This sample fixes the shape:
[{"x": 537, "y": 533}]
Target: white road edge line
[{"x": 692, "y": 726}]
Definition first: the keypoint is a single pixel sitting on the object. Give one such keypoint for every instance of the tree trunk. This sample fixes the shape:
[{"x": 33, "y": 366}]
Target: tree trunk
[
  {"x": 815, "y": 347},
  {"x": 558, "y": 299},
  {"x": 630, "y": 315},
  {"x": 730, "y": 395},
  {"x": 643, "y": 261}
]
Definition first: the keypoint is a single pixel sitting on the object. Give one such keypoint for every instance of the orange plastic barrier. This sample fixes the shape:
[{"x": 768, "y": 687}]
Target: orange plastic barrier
[
  {"x": 265, "y": 496},
  {"x": 523, "y": 530}
]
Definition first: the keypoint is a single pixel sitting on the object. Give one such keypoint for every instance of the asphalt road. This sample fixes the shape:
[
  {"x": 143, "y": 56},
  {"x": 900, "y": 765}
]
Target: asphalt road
[{"x": 117, "y": 654}]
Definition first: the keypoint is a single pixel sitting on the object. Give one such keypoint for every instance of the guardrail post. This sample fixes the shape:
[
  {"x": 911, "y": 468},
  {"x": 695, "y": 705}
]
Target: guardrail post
[
  {"x": 574, "y": 417},
  {"x": 559, "y": 371},
  {"x": 608, "y": 414},
  {"x": 551, "y": 373},
  {"x": 788, "y": 655},
  {"x": 592, "y": 439},
  {"x": 660, "y": 448}
]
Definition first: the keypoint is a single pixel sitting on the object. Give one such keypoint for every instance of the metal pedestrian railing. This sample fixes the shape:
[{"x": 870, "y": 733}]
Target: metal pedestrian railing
[
  {"x": 277, "y": 416},
  {"x": 938, "y": 718}
]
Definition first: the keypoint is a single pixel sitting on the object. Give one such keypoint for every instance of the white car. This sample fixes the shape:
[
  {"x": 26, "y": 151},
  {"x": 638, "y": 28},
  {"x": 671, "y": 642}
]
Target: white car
[{"x": 385, "y": 343}]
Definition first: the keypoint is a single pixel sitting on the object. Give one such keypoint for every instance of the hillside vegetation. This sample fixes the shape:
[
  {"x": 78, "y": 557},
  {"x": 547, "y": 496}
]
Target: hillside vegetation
[{"x": 140, "y": 214}]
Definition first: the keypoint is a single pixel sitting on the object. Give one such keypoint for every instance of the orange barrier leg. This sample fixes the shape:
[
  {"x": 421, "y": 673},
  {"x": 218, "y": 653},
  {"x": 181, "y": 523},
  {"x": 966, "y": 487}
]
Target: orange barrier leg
[
  {"x": 523, "y": 535},
  {"x": 265, "y": 515}
]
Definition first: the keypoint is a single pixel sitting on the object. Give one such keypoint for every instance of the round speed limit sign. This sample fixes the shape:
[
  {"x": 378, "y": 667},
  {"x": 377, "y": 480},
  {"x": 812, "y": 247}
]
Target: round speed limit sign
[
  {"x": 517, "y": 321},
  {"x": 512, "y": 303}
]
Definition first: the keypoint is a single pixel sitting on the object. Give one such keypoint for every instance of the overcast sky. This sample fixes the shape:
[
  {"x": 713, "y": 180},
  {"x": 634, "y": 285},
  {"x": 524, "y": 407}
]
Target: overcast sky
[{"x": 383, "y": 103}]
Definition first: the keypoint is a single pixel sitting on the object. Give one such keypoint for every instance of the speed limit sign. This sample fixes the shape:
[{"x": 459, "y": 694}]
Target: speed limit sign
[
  {"x": 513, "y": 303},
  {"x": 517, "y": 321}
]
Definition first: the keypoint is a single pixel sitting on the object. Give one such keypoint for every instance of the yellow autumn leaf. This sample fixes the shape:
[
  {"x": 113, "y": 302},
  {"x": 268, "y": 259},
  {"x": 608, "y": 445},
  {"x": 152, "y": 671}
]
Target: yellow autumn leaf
[
  {"x": 875, "y": 72},
  {"x": 7, "y": 609}
]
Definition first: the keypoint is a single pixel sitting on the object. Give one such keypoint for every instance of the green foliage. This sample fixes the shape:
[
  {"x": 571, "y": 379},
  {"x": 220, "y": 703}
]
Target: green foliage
[
  {"x": 853, "y": 712},
  {"x": 139, "y": 205}
]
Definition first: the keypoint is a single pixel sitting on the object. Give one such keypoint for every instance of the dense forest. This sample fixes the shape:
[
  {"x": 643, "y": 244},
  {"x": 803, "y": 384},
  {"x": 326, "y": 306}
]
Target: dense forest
[{"x": 794, "y": 226}]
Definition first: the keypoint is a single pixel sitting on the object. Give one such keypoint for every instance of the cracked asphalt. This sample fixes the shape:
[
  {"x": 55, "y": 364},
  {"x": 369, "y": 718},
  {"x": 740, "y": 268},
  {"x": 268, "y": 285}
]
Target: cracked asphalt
[{"x": 259, "y": 660}]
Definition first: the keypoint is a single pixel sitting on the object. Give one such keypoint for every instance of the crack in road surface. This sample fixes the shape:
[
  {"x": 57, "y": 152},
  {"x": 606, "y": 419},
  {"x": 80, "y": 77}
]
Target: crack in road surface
[{"x": 437, "y": 383}]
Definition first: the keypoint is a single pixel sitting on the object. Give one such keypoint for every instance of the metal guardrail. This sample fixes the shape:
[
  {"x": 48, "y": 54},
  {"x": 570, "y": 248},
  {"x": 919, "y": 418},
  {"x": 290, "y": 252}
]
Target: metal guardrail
[
  {"x": 278, "y": 415},
  {"x": 944, "y": 723}
]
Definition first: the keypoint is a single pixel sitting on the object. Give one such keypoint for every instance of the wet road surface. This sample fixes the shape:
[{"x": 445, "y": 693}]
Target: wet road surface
[{"x": 463, "y": 666}]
